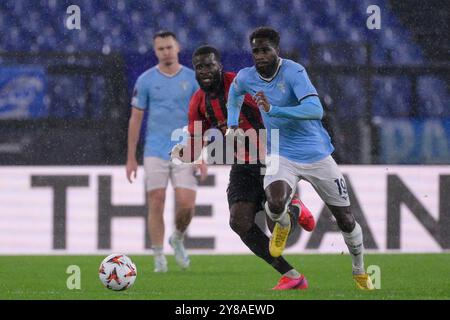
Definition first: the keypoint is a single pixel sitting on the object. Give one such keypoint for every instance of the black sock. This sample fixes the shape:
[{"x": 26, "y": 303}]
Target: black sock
[{"x": 258, "y": 243}]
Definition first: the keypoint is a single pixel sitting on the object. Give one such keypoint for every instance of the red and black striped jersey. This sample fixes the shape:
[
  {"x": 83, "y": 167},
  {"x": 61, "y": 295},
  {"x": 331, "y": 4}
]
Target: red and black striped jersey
[{"x": 211, "y": 110}]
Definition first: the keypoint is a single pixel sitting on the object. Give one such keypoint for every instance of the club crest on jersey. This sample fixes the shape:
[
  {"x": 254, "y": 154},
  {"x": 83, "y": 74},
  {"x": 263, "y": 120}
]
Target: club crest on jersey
[
  {"x": 282, "y": 87},
  {"x": 184, "y": 85}
]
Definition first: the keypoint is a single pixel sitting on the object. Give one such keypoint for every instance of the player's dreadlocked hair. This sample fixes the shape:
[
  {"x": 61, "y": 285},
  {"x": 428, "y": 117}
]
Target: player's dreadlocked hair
[
  {"x": 206, "y": 49},
  {"x": 164, "y": 34},
  {"x": 266, "y": 33}
]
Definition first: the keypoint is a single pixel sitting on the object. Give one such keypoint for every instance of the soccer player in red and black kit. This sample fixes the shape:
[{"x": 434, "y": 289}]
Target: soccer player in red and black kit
[{"x": 245, "y": 190}]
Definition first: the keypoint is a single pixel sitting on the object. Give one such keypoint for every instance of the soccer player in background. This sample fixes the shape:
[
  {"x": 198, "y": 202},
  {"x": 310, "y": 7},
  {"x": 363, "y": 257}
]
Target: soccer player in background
[
  {"x": 164, "y": 92},
  {"x": 289, "y": 102},
  {"x": 245, "y": 191}
]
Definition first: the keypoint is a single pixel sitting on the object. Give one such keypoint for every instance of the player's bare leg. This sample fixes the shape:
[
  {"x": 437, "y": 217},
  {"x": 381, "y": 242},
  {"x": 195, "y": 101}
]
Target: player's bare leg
[
  {"x": 353, "y": 237},
  {"x": 278, "y": 195},
  {"x": 242, "y": 221},
  {"x": 184, "y": 211},
  {"x": 156, "y": 201}
]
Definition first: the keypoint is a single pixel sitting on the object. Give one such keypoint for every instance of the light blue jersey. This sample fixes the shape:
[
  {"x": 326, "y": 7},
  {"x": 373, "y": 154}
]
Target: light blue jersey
[
  {"x": 166, "y": 99},
  {"x": 295, "y": 110}
]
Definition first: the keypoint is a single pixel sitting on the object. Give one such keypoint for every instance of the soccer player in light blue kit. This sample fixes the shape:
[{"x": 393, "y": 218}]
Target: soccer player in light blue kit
[
  {"x": 164, "y": 92},
  {"x": 289, "y": 102}
]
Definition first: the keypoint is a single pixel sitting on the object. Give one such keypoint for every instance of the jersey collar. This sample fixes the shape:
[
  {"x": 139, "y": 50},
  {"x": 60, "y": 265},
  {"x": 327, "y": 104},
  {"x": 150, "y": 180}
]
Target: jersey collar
[
  {"x": 280, "y": 61},
  {"x": 169, "y": 75}
]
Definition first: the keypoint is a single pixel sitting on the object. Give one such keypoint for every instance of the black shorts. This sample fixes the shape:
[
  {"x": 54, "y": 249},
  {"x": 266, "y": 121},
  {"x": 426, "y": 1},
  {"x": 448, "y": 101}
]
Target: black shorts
[{"x": 246, "y": 184}]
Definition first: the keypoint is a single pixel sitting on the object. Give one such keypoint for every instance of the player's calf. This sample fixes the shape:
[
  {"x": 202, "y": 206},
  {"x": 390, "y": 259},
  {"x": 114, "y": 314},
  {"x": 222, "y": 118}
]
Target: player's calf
[{"x": 344, "y": 218}]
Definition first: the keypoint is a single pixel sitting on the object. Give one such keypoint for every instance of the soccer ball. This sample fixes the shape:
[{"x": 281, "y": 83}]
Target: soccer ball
[{"x": 117, "y": 272}]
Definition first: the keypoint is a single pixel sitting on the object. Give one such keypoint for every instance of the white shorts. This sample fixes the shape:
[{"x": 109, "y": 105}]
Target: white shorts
[
  {"x": 324, "y": 176},
  {"x": 158, "y": 171}
]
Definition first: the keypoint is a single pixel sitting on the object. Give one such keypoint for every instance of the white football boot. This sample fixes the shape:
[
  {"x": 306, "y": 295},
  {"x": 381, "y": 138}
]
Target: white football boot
[{"x": 160, "y": 263}]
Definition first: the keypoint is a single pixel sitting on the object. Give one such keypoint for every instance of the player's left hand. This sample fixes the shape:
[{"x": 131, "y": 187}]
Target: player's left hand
[{"x": 262, "y": 102}]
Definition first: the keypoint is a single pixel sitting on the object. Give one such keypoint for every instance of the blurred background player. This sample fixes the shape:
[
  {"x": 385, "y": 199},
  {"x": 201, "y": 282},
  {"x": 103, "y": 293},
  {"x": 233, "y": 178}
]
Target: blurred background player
[
  {"x": 245, "y": 190},
  {"x": 163, "y": 91},
  {"x": 289, "y": 102}
]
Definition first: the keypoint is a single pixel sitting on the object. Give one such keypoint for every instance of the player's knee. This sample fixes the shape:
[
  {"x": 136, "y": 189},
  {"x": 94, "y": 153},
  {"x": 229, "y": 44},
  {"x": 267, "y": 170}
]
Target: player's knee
[
  {"x": 277, "y": 205},
  {"x": 239, "y": 226},
  {"x": 157, "y": 196},
  {"x": 239, "y": 222},
  {"x": 185, "y": 198}
]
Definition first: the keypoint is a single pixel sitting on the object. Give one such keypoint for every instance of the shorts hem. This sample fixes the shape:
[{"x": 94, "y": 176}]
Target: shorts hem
[
  {"x": 190, "y": 187},
  {"x": 336, "y": 204},
  {"x": 155, "y": 187}
]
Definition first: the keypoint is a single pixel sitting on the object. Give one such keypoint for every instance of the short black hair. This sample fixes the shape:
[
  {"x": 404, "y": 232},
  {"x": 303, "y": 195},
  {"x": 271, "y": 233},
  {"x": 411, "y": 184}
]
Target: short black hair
[
  {"x": 206, "y": 49},
  {"x": 266, "y": 33},
  {"x": 164, "y": 34}
]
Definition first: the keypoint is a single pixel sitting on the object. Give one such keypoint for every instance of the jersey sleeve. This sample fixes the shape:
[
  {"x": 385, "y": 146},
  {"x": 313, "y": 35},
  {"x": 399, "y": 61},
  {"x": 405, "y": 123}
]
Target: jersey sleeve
[
  {"x": 236, "y": 97},
  {"x": 309, "y": 108},
  {"x": 299, "y": 81},
  {"x": 194, "y": 115},
  {"x": 140, "y": 95}
]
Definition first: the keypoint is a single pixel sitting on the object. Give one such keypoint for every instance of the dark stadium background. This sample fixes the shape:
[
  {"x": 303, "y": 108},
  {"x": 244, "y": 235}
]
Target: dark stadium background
[{"x": 379, "y": 87}]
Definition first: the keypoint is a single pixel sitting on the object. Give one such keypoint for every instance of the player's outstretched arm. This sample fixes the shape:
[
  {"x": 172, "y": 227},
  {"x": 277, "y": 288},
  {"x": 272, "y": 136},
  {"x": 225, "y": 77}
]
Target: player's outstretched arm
[{"x": 309, "y": 108}]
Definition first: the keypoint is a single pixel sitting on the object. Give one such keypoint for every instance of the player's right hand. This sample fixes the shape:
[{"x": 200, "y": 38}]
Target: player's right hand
[
  {"x": 262, "y": 101},
  {"x": 132, "y": 167}
]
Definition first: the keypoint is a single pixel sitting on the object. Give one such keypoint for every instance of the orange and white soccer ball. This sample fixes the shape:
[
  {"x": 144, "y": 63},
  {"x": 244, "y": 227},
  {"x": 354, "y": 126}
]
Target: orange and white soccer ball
[{"x": 117, "y": 272}]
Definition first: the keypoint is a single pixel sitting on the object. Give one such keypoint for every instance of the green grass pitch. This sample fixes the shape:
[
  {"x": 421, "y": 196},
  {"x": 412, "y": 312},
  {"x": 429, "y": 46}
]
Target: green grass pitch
[{"x": 226, "y": 277}]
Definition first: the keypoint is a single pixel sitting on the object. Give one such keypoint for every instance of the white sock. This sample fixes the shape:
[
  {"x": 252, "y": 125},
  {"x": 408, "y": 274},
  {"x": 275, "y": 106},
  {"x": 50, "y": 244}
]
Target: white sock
[
  {"x": 179, "y": 234},
  {"x": 157, "y": 250},
  {"x": 282, "y": 218},
  {"x": 354, "y": 242},
  {"x": 293, "y": 274}
]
